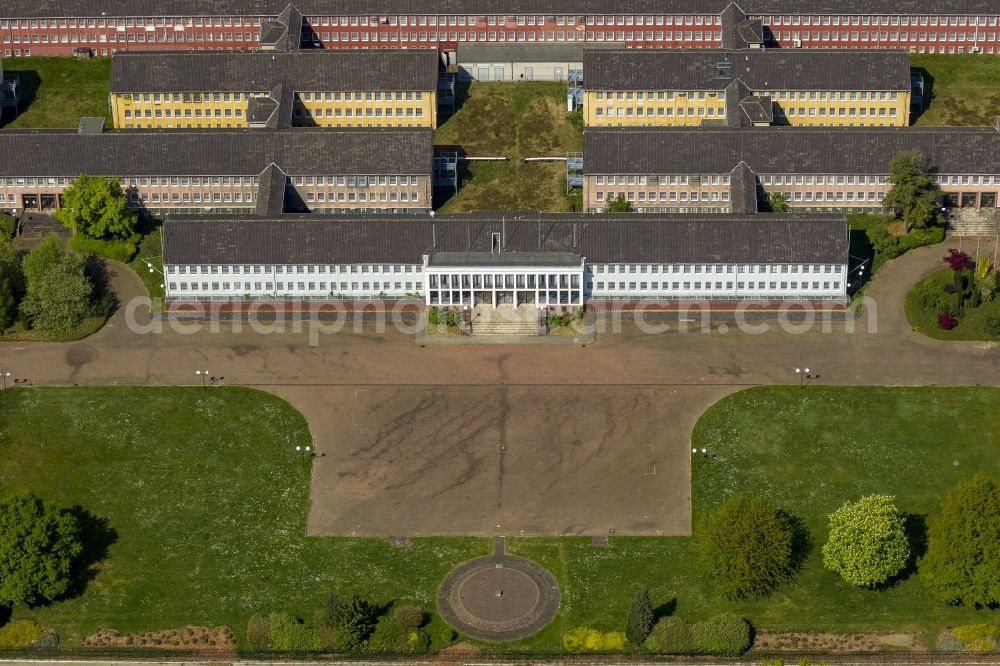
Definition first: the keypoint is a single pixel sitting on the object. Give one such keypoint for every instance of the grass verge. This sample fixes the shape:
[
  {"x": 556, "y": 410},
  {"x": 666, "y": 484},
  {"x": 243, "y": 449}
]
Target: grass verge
[{"x": 56, "y": 92}]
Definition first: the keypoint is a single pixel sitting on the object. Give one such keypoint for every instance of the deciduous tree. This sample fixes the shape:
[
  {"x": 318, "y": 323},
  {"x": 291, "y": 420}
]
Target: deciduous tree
[
  {"x": 777, "y": 202},
  {"x": 962, "y": 564},
  {"x": 58, "y": 296},
  {"x": 914, "y": 190},
  {"x": 746, "y": 547},
  {"x": 868, "y": 543},
  {"x": 38, "y": 545},
  {"x": 97, "y": 207}
]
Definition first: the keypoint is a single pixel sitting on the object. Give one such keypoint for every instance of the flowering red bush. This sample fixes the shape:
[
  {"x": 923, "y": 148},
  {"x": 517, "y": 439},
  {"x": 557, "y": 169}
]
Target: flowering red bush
[
  {"x": 947, "y": 321},
  {"x": 959, "y": 260}
]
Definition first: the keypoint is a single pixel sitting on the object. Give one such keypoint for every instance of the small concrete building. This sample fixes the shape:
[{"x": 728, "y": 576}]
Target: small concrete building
[{"x": 523, "y": 62}]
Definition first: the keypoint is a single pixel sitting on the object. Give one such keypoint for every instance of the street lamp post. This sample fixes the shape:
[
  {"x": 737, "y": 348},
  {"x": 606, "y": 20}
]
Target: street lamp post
[
  {"x": 204, "y": 377},
  {"x": 5, "y": 375},
  {"x": 306, "y": 453},
  {"x": 695, "y": 458},
  {"x": 804, "y": 376}
]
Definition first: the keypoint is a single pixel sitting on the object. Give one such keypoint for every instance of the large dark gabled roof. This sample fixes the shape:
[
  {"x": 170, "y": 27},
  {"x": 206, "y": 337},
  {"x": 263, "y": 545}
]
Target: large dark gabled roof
[
  {"x": 216, "y": 152},
  {"x": 404, "y": 239},
  {"x": 862, "y": 150},
  {"x": 760, "y": 69},
  {"x": 60, "y": 8},
  {"x": 258, "y": 71}
]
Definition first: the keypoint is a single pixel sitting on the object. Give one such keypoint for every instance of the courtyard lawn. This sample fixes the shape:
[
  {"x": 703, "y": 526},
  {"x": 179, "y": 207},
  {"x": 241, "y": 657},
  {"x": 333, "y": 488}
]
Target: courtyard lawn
[
  {"x": 56, "y": 92},
  {"x": 208, "y": 500},
  {"x": 513, "y": 120},
  {"x": 965, "y": 88}
]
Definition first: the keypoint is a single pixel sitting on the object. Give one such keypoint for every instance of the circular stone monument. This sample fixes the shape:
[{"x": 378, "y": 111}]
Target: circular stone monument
[{"x": 498, "y": 598}]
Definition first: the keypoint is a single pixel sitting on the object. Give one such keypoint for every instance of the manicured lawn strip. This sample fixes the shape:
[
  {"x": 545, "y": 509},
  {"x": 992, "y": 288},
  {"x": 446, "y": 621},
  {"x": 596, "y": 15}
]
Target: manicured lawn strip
[
  {"x": 56, "y": 92},
  {"x": 925, "y": 320},
  {"x": 208, "y": 498},
  {"x": 515, "y": 120},
  {"x": 966, "y": 88}
]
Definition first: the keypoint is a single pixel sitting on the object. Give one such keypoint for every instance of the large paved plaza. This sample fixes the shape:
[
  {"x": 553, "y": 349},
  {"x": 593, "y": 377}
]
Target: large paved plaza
[{"x": 531, "y": 460}]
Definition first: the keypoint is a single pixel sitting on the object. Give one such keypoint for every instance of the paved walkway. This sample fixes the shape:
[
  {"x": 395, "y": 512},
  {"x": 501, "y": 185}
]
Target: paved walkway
[{"x": 690, "y": 370}]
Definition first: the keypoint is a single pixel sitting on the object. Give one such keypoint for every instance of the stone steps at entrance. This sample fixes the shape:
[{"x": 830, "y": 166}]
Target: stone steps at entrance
[{"x": 505, "y": 320}]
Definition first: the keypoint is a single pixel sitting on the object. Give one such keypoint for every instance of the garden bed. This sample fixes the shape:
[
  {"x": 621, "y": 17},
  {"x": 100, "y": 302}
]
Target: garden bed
[{"x": 935, "y": 308}]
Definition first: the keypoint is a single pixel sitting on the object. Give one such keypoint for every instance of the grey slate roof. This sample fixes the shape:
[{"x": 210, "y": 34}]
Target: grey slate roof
[
  {"x": 473, "y": 52},
  {"x": 404, "y": 239},
  {"x": 60, "y": 8},
  {"x": 863, "y": 150},
  {"x": 216, "y": 152},
  {"x": 306, "y": 70},
  {"x": 758, "y": 108},
  {"x": 760, "y": 69}
]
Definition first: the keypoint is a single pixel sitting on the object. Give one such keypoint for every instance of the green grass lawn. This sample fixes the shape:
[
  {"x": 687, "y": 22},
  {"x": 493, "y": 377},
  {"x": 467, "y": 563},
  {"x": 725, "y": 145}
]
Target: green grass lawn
[
  {"x": 975, "y": 324},
  {"x": 208, "y": 499},
  {"x": 513, "y": 120},
  {"x": 56, "y": 92},
  {"x": 965, "y": 88}
]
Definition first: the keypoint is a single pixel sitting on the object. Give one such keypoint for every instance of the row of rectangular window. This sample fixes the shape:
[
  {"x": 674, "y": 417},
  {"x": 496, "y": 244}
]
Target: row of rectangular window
[
  {"x": 516, "y": 36},
  {"x": 293, "y": 286},
  {"x": 368, "y": 112},
  {"x": 321, "y": 197},
  {"x": 673, "y": 196},
  {"x": 636, "y": 179},
  {"x": 504, "y": 281},
  {"x": 834, "y": 196},
  {"x": 928, "y": 19},
  {"x": 716, "y": 286},
  {"x": 835, "y": 112},
  {"x": 363, "y": 96},
  {"x": 603, "y": 269},
  {"x": 188, "y": 113},
  {"x": 768, "y": 179},
  {"x": 355, "y": 181},
  {"x": 129, "y": 38},
  {"x": 884, "y": 36},
  {"x": 155, "y": 181},
  {"x": 192, "y": 22},
  {"x": 294, "y": 270}
]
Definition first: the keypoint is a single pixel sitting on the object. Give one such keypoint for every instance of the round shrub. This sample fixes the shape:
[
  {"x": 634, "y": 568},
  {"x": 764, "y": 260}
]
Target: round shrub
[
  {"x": 47, "y": 641},
  {"x": 947, "y": 321},
  {"x": 585, "y": 639},
  {"x": 977, "y": 637},
  {"x": 409, "y": 616},
  {"x": 19, "y": 634},
  {"x": 868, "y": 543},
  {"x": 670, "y": 635},
  {"x": 726, "y": 634},
  {"x": 746, "y": 547},
  {"x": 613, "y": 641}
]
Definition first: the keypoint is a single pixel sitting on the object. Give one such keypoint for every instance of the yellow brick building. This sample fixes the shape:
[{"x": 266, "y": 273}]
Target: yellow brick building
[
  {"x": 308, "y": 88},
  {"x": 749, "y": 87}
]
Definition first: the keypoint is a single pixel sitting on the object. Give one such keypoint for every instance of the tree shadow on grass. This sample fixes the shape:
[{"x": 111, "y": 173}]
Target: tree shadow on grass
[
  {"x": 96, "y": 536},
  {"x": 668, "y": 607},
  {"x": 915, "y": 525},
  {"x": 802, "y": 542},
  {"x": 104, "y": 298}
]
